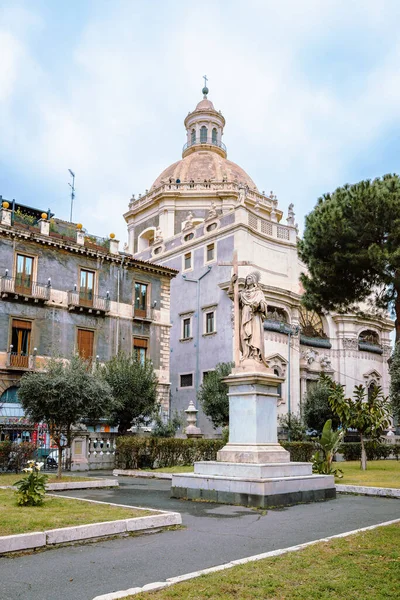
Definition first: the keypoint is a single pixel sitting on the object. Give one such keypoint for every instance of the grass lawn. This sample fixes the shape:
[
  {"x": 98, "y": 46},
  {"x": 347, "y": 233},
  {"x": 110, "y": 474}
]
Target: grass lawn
[
  {"x": 379, "y": 473},
  {"x": 55, "y": 513},
  {"x": 11, "y": 478},
  {"x": 177, "y": 469},
  {"x": 360, "y": 567}
]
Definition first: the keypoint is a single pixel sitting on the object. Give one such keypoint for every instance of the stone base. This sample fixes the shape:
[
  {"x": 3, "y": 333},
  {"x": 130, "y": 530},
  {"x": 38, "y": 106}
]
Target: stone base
[
  {"x": 259, "y": 485},
  {"x": 253, "y": 453}
]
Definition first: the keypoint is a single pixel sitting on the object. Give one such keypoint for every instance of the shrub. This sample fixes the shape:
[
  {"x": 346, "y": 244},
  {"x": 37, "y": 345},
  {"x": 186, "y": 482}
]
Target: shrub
[
  {"x": 13, "y": 456},
  {"x": 293, "y": 427},
  {"x": 374, "y": 450},
  {"x": 299, "y": 451},
  {"x": 140, "y": 452}
]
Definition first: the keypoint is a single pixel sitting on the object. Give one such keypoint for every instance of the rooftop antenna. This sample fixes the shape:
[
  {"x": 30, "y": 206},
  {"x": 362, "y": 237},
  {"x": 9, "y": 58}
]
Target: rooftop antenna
[{"x": 72, "y": 186}]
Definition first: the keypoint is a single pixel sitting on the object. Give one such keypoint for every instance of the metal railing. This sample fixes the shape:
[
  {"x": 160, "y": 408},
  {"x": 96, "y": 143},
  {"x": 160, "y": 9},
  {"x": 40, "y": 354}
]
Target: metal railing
[
  {"x": 208, "y": 141},
  {"x": 90, "y": 301},
  {"x": 20, "y": 360},
  {"x": 24, "y": 287}
]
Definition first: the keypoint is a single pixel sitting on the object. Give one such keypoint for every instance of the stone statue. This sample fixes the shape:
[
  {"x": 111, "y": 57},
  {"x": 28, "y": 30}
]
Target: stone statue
[
  {"x": 291, "y": 215},
  {"x": 242, "y": 194},
  {"x": 252, "y": 312},
  {"x": 158, "y": 236},
  {"x": 212, "y": 213},
  {"x": 189, "y": 220}
]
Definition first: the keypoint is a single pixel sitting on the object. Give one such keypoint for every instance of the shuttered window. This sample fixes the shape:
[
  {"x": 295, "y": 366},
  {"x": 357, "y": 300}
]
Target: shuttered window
[
  {"x": 85, "y": 343},
  {"x": 140, "y": 346}
]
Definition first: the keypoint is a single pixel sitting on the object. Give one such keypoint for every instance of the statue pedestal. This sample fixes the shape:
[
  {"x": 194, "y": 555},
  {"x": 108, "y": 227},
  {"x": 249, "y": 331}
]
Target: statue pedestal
[{"x": 253, "y": 469}]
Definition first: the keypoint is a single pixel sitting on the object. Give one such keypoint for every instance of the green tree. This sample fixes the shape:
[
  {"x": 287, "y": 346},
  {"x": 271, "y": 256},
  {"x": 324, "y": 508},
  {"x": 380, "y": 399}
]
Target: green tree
[
  {"x": 61, "y": 396},
  {"x": 369, "y": 413},
  {"x": 134, "y": 387},
  {"x": 317, "y": 410},
  {"x": 395, "y": 382},
  {"x": 213, "y": 395},
  {"x": 166, "y": 430},
  {"x": 294, "y": 427},
  {"x": 351, "y": 246}
]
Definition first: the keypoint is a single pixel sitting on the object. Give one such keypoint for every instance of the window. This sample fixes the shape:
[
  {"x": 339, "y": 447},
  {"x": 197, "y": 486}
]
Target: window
[
  {"x": 24, "y": 272},
  {"x": 140, "y": 301},
  {"x": 186, "y": 380},
  {"x": 210, "y": 252},
  {"x": 212, "y": 227},
  {"x": 86, "y": 288},
  {"x": 186, "y": 328},
  {"x": 214, "y": 136},
  {"x": 20, "y": 342},
  {"x": 193, "y": 136},
  {"x": 188, "y": 237},
  {"x": 140, "y": 346},
  {"x": 210, "y": 322},
  {"x": 85, "y": 342},
  {"x": 203, "y": 135},
  {"x": 187, "y": 261},
  {"x": 279, "y": 387}
]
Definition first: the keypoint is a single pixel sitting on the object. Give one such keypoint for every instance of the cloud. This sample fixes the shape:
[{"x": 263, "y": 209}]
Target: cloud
[{"x": 306, "y": 88}]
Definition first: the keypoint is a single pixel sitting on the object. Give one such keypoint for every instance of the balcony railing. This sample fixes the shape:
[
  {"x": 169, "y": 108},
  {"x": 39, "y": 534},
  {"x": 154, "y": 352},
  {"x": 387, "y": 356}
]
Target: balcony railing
[
  {"x": 89, "y": 302},
  {"x": 20, "y": 360},
  {"x": 208, "y": 141},
  {"x": 146, "y": 314},
  {"x": 24, "y": 287}
]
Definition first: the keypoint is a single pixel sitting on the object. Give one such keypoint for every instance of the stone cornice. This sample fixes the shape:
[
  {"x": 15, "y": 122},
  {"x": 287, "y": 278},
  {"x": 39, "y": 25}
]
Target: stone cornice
[{"x": 122, "y": 258}]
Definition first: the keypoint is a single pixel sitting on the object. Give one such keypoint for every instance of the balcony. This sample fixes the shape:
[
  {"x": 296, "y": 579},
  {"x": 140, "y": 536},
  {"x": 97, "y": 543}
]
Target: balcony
[
  {"x": 20, "y": 361},
  {"x": 85, "y": 302},
  {"x": 143, "y": 314},
  {"x": 207, "y": 143},
  {"x": 17, "y": 288}
]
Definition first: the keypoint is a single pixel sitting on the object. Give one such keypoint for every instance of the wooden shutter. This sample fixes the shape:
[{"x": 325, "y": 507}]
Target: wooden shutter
[
  {"x": 85, "y": 343},
  {"x": 139, "y": 343},
  {"x": 21, "y": 324}
]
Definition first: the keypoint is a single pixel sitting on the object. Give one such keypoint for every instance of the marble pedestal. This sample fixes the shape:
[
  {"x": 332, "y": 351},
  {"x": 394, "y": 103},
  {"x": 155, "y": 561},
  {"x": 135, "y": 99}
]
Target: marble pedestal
[{"x": 253, "y": 469}]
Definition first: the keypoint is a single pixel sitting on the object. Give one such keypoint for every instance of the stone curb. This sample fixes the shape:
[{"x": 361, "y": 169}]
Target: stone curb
[
  {"x": 74, "y": 485},
  {"x": 368, "y": 491},
  {"x": 36, "y": 539},
  {"x": 135, "y": 473},
  {"x": 158, "y": 585},
  {"x": 77, "y": 485}
]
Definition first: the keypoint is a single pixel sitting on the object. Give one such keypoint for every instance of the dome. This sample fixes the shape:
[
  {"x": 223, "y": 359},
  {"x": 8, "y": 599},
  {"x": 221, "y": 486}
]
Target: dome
[
  {"x": 205, "y": 164},
  {"x": 205, "y": 104}
]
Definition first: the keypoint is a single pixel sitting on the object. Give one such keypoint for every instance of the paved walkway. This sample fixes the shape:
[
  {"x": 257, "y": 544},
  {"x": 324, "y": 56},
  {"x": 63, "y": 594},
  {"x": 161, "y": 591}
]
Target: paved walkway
[{"x": 214, "y": 534}]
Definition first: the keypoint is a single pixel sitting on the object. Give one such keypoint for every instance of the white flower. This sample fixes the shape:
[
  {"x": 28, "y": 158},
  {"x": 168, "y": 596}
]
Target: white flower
[
  {"x": 28, "y": 470},
  {"x": 39, "y": 465}
]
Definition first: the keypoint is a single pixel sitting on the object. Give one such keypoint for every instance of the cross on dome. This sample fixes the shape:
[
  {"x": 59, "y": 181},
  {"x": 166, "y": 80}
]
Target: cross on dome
[{"x": 205, "y": 88}]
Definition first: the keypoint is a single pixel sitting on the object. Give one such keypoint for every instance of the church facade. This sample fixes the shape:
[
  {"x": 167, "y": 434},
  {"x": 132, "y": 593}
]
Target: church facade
[{"x": 195, "y": 215}]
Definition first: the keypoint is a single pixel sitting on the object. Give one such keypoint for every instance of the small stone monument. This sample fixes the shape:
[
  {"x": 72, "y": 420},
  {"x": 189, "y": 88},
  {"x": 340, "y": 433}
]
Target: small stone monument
[
  {"x": 192, "y": 431},
  {"x": 252, "y": 469}
]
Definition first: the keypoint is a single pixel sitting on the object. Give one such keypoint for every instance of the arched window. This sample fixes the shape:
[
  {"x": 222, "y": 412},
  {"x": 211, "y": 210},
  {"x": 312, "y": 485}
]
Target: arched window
[
  {"x": 10, "y": 396},
  {"x": 369, "y": 336},
  {"x": 275, "y": 313},
  {"x": 193, "y": 136},
  {"x": 368, "y": 340},
  {"x": 311, "y": 324},
  {"x": 214, "y": 136},
  {"x": 146, "y": 239},
  {"x": 203, "y": 135},
  {"x": 371, "y": 389}
]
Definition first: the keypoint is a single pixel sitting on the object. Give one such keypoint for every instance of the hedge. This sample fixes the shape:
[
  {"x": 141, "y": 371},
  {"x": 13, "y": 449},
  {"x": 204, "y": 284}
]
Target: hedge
[
  {"x": 374, "y": 450},
  {"x": 139, "y": 452},
  {"x": 13, "y": 457},
  {"x": 299, "y": 451}
]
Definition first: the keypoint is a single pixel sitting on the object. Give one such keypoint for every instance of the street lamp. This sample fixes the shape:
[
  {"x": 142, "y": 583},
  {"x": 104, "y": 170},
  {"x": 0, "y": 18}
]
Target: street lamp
[
  {"x": 197, "y": 282},
  {"x": 291, "y": 331}
]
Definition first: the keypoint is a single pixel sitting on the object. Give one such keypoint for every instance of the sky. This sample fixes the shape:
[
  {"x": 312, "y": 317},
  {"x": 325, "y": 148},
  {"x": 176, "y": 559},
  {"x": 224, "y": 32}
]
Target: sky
[{"x": 310, "y": 91}]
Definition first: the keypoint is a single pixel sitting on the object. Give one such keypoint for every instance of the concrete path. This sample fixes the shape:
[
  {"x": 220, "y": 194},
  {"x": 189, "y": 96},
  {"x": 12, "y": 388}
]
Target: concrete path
[{"x": 214, "y": 534}]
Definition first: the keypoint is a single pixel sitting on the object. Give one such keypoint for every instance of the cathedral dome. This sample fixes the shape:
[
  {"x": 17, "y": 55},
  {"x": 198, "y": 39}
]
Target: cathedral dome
[
  {"x": 205, "y": 165},
  {"x": 204, "y": 156}
]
